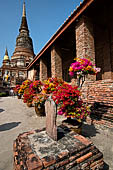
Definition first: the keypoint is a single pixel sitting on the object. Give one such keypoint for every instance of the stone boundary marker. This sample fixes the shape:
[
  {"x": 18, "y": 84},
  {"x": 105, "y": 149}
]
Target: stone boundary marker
[
  {"x": 51, "y": 115},
  {"x": 35, "y": 150}
]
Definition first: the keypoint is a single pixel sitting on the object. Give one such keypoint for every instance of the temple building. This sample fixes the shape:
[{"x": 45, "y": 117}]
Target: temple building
[
  {"x": 5, "y": 69},
  {"x": 15, "y": 69},
  {"x": 87, "y": 32}
]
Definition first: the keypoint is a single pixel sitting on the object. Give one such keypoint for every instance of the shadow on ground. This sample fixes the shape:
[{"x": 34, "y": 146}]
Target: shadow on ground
[
  {"x": 106, "y": 166},
  {"x": 89, "y": 130},
  {"x": 0, "y": 99},
  {"x": 8, "y": 126},
  {"x": 1, "y": 110}
]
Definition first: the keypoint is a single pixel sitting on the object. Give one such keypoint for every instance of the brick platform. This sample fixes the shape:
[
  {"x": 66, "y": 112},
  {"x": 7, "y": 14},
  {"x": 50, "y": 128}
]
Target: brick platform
[{"x": 34, "y": 150}]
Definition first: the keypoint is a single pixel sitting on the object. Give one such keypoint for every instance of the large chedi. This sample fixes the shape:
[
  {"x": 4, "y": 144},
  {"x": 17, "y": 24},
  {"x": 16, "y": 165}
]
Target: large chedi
[
  {"x": 23, "y": 53},
  {"x": 15, "y": 70}
]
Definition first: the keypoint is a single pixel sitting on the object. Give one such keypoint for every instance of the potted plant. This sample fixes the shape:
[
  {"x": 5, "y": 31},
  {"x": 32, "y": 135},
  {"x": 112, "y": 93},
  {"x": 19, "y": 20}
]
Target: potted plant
[
  {"x": 36, "y": 86},
  {"x": 24, "y": 85},
  {"x": 16, "y": 91},
  {"x": 82, "y": 67},
  {"x": 70, "y": 105},
  {"x": 28, "y": 96},
  {"x": 39, "y": 101},
  {"x": 50, "y": 85}
]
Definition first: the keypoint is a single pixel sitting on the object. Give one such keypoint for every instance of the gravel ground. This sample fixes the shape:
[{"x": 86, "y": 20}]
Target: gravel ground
[{"x": 16, "y": 117}]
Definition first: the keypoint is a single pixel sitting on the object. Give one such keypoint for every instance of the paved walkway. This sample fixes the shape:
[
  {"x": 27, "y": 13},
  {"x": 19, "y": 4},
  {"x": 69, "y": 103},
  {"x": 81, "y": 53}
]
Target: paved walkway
[
  {"x": 16, "y": 117},
  {"x": 102, "y": 138}
]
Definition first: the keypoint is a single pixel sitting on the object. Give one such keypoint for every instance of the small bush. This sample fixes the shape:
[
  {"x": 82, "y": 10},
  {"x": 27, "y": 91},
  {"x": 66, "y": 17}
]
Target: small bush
[{"x": 3, "y": 94}]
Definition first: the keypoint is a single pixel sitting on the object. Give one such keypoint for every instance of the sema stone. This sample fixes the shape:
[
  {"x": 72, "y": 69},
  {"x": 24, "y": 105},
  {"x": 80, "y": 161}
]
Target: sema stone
[{"x": 51, "y": 115}]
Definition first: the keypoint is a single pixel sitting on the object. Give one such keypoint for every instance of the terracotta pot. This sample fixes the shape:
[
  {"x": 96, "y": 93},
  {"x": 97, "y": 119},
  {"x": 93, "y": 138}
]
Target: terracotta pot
[
  {"x": 29, "y": 104},
  {"x": 78, "y": 130},
  {"x": 73, "y": 125},
  {"x": 19, "y": 97},
  {"x": 40, "y": 111}
]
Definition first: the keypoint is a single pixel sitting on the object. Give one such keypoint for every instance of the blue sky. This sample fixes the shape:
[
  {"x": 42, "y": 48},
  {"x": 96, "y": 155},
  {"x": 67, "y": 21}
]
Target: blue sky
[{"x": 44, "y": 17}]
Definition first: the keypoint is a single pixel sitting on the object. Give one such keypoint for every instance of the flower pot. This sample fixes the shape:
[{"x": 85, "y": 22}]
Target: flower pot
[
  {"x": 40, "y": 111},
  {"x": 19, "y": 96},
  {"x": 73, "y": 125},
  {"x": 77, "y": 129},
  {"x": 29, "y": 104}
]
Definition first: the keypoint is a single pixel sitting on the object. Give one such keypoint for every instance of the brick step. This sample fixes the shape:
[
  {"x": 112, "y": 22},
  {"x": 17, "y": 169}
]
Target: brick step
[
  {"x": 104, "y": 116},
  {"x": 97, "y": 161},
  {"x": 108, "y": 115},
  {"x": 104, "y": 108},
  {"x": 99, "y": 113},
  {"x": 103, "y": 113},
  {"x": 108, "y": 119}
]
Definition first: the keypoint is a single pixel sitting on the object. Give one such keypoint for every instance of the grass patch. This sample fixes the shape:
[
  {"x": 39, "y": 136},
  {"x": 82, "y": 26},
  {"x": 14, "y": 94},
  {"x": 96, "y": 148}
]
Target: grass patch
[{"x": 3, "y": 94}]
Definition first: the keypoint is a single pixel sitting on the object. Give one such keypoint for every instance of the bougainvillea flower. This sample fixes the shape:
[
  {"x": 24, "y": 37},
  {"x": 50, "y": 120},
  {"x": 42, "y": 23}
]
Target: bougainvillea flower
[{"x": 83, "y": 66}]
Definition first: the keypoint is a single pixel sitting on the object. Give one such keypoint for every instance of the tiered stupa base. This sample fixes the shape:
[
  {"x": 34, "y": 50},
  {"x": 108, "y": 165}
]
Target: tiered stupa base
[{"x": 35, "y": 150}]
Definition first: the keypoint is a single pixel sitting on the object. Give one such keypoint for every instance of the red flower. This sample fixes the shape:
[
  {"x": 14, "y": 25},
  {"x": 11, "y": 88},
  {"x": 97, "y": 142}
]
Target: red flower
[{"x": 68, "y": 102}]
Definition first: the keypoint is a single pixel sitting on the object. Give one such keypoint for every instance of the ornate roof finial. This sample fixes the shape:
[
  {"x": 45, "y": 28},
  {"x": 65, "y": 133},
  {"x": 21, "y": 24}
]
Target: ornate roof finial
[
  {"x": 6, "y": 57},
  {"x": 24, "y": 25},
  {"x": 6, "y": 52},
  {"x": 24, "y": 10}
]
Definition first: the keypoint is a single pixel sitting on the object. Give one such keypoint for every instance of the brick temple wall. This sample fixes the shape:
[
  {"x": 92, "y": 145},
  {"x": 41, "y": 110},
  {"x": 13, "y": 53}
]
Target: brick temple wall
[
  {"x": 98, "y": 91},
  {"x": 56, "y": 62},
  {"x": 100, "y": 95},
  {"x": 111, "y": 37},
  {"x": 85, "y": 39},
  {"x": 67, "y": 59},
  {"x": 103, "y": 52},
  {"x": 85, "y": 43},
  {"x": 43, "y": 69}
]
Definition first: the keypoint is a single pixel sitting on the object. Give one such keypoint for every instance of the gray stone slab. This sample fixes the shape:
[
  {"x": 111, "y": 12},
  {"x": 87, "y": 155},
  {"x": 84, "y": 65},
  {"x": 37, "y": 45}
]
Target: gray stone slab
[{"x": 43, "y": 145}]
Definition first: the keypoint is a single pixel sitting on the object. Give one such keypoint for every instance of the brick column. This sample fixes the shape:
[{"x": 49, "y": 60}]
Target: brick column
[
  {"x": 106, "y": 56},
  {"x": 103, "y": 58},
  {"x": 85, "y": 40},
  {"x": 56, "y": 62},
  {"x": 43, "y": 69},
  {"x": 111, "y": 39}
]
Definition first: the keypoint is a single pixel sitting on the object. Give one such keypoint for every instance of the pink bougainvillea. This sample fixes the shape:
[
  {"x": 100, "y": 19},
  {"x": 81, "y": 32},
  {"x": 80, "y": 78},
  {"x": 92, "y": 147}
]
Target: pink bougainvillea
[{"x": 83, "y": 66}]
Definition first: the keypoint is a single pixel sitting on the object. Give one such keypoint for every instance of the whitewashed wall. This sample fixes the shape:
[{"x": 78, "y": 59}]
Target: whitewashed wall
[{"x": 30, "y": 74}]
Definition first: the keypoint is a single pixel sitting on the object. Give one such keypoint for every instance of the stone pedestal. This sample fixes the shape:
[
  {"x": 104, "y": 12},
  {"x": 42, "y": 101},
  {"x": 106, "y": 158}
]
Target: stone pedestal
[{"x": 35, "y": 150}]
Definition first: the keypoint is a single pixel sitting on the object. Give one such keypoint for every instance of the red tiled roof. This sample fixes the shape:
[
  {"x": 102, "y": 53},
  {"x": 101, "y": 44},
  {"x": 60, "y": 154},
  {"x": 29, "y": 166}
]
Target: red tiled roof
[{"x": 79, "y": 10}]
